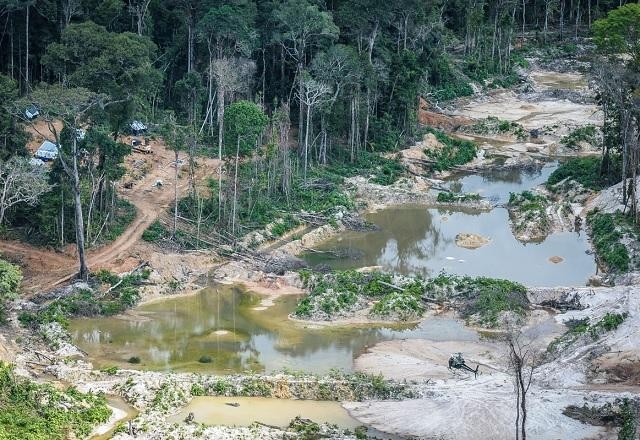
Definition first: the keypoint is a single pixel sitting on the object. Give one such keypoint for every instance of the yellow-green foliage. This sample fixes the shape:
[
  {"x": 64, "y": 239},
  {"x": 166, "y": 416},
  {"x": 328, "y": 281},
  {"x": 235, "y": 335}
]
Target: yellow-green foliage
[
  {"x": 10, "y": 279},
  {"x": 29, "y": 411}
]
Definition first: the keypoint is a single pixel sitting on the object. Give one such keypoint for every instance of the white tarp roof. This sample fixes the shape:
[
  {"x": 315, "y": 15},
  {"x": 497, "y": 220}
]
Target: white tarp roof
[
  {"x": 138, "y": 126},
  {"x": 48, "y": 150}
]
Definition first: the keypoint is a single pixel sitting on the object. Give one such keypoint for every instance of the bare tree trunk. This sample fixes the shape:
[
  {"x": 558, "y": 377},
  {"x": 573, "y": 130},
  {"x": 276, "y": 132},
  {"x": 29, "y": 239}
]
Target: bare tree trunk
[
  {"x": 306, "y": 142},
  {"x": 235, "y": 189},
  {"x": 517, "y": 388},
  {"x": 562, "y": 7},
  {"x": 523, "y": 407},
  {"x": 175, "y": 198},
  {"x": 546, "y": 20},
  {"x": 12, "y": 49},
  {"x": 220, "y": 97},
  {"x": 190, "y": 38},
  {"x": 84, "y": 271},
  {"x": 26, "y": 57},
  {"x": 301, "y": 106},
  {"x": 372, "y": 42},
  {"x": 62, "y": 242},
  {"x": 367, "y": 119}
]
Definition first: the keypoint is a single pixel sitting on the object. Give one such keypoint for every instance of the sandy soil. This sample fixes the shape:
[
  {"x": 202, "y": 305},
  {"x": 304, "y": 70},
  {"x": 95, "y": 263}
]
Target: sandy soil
[
  {"x": 554, "y": 118},
  {"x": 413, "y": 359},
  {"x": 471, "y": 241},
  {"x": 477, "y": 409},
  {"x": 575, "y": 376}
]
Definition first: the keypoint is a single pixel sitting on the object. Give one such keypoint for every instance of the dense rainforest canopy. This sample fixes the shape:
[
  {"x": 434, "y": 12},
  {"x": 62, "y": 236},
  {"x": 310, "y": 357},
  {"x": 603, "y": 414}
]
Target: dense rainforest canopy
[{"x": 323, "y": 86}]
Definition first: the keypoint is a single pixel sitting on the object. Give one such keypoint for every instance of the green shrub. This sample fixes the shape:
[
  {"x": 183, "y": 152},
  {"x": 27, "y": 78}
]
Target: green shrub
[
  {"x": 451, "y": 197},
  {"x": 492, "y": 125},
  {"x": 10, "y": 279},
  {"x": 582, "y": 134},
  {"x": 285, "y": 225},
  {"x": 109, "y": 370},
  {"x": 134, "y": 360},
  {"x": 197, "y": 390},
  {"x": 125, "y": 213},
  {"x": 584, "y": 170},
  {"x": 490, "y": 297},
  {"x": 220, "y": 387},
  {"x": 89, "y": 303},
  {"x": 628, "y": 416},
  {"x": 404, "y": 305},
  {"x": 205, "y": 359},
  {"x": 607, "y": 231},
  {"x": 579, "y": 327},
  {"x": 608, "y": 323},
  {"x": 29, "y": 411},
  {"x": 155, "y": 232},
  {"x": 453, "y": 153}
]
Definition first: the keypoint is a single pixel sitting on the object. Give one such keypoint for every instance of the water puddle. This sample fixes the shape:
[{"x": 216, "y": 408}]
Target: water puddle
[
  {"x": 417, "y": 240},
  {"x": 180, "y": 333},
  {"x": 123, "y": 410},
  {"x": 556, "y": 80},
  {"x": 244, "y": 411}
]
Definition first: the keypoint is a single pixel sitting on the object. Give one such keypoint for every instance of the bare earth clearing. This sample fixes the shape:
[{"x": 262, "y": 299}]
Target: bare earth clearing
[
  {"x": 44, "y": 269},
  {"x": 451, "y": 405}
]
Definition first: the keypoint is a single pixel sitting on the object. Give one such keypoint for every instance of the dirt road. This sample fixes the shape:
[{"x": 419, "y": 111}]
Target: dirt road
[{"x": 44, "y": 268}]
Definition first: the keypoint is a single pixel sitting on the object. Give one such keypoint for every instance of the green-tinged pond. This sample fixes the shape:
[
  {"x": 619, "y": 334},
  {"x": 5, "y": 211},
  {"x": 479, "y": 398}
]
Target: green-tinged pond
[{"x": 225, "y": 323}]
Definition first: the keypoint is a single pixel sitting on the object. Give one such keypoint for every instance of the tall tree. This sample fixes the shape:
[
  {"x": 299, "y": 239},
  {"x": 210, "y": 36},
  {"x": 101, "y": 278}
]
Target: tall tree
[
  {"x": 301, "y": 27},
  {"x": 117, "y": 64},
  {"x": 73, "y": 107},
  {"x": 20, "y": 182},
  {"x": 12, "y": 137}
]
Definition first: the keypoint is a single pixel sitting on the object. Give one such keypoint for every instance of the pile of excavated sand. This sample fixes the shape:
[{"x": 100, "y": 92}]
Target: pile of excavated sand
[
  {"x": 608, "y": 200},
  {"x": 455, "y": 405},
  {"x": 533, "y": 115},
  {"x": 471, "y": 241},
  {"x": 480, "y": 408}
]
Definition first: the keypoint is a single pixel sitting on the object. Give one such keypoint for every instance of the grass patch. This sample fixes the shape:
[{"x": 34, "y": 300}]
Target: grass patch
[
  {"x": 529, "y": 209},
  {"x": 584, "y": 170},
  {"x": 286, "y": 224},
  {"x": 528, "y": 201},
  {"x": 343, "y": 292},
  {"x": 29, "y": 411},
  {"x": 493, "y": 125},
  {"x": 454, "y": 152},
  {"x": 607, "y": 233},
  {"x": 580, "y": 327},
  {"x": 405, "y": 305},
  {"x": 384, "y": 170},
  {"x": 124, "y": 214},
  {"x": 155, "y": 232},
  {"x": 84, "y": 302}
]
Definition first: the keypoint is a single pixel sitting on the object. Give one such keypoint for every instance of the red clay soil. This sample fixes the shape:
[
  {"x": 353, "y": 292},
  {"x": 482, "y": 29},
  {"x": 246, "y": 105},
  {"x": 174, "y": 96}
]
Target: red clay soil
[{"x": 44, "y": 268}]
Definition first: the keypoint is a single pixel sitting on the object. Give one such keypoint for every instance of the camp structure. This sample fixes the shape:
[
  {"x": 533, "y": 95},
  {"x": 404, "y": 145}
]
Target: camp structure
[
  {"x": 47, "y": 151},
  {"x": 32, "y": 112},
  {"x": 137, "y": 128}
]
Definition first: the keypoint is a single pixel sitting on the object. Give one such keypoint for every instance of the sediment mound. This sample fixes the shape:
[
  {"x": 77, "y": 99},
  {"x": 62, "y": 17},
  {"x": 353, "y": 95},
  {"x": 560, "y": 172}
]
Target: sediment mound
[{"x": 471, "y": 241}]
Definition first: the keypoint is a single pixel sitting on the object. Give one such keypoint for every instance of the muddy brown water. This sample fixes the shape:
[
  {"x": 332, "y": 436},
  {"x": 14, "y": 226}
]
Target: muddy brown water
[
  {"x": 418, "y": 240},
  {"x": 244, "y": 411},
  {"x": 222, "y": 323}
]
